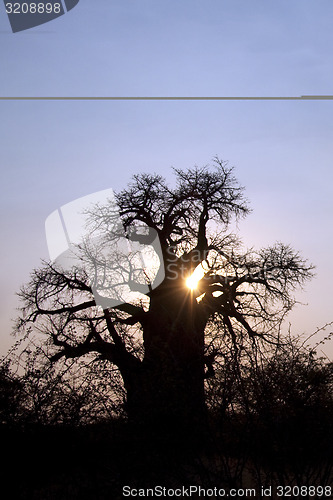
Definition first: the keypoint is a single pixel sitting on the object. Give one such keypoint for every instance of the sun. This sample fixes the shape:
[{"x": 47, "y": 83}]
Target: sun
[{"x": 193, "y": 280}]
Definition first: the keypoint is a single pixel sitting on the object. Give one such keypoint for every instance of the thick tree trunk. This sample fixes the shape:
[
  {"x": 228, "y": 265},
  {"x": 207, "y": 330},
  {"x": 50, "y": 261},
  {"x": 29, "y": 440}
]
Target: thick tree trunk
[
  {"x": 166, "y": 396},
  {"x": 167, "y": 392}
]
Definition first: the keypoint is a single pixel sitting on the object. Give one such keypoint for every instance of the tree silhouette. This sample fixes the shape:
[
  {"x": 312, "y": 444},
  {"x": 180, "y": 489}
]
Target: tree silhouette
[{"x": 166, "y": 341}]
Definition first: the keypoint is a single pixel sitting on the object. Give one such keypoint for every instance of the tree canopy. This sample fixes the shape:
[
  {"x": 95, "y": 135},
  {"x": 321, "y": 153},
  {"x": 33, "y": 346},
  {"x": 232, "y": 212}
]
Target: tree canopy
[{"x": 213, "y": 292}]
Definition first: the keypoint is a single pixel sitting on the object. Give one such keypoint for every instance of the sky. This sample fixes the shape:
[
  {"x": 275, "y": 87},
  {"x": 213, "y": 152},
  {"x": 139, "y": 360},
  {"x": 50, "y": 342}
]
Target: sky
[{"x": 53, "y": 152}]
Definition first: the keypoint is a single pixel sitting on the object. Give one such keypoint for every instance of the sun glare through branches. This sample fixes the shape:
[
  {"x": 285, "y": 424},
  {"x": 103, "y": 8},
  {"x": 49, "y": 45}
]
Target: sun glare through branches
[{"x": 193, "y": 280}]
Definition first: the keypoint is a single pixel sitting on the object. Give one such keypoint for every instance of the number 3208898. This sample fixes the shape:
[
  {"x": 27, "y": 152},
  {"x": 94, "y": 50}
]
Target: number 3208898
[
  {"x": 304, "y": 491},
  {"x": 33, "y": 8}
]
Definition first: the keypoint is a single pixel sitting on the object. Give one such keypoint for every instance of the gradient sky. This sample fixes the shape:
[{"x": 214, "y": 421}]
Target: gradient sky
[{"x": 53, "y": 152}]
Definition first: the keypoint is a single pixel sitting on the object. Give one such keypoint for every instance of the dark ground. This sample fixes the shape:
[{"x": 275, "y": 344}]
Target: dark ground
[{"x": 96, "y": 461}]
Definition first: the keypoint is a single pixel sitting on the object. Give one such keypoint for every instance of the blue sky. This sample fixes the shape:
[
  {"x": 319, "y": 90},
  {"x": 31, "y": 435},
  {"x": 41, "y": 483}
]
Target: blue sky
[
  {"x": 174, "y": 47},
  {"x": 53, "y": 152}
]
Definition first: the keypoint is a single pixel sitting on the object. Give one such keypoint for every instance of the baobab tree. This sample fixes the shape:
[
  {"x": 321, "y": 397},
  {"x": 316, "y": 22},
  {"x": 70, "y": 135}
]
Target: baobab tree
[{"x": 159, "y": 342}]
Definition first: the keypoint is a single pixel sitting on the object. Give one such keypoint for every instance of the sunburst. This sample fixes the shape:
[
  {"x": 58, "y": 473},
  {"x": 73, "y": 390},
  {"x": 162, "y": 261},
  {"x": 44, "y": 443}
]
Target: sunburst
[{"x": 193, "y": 280}]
